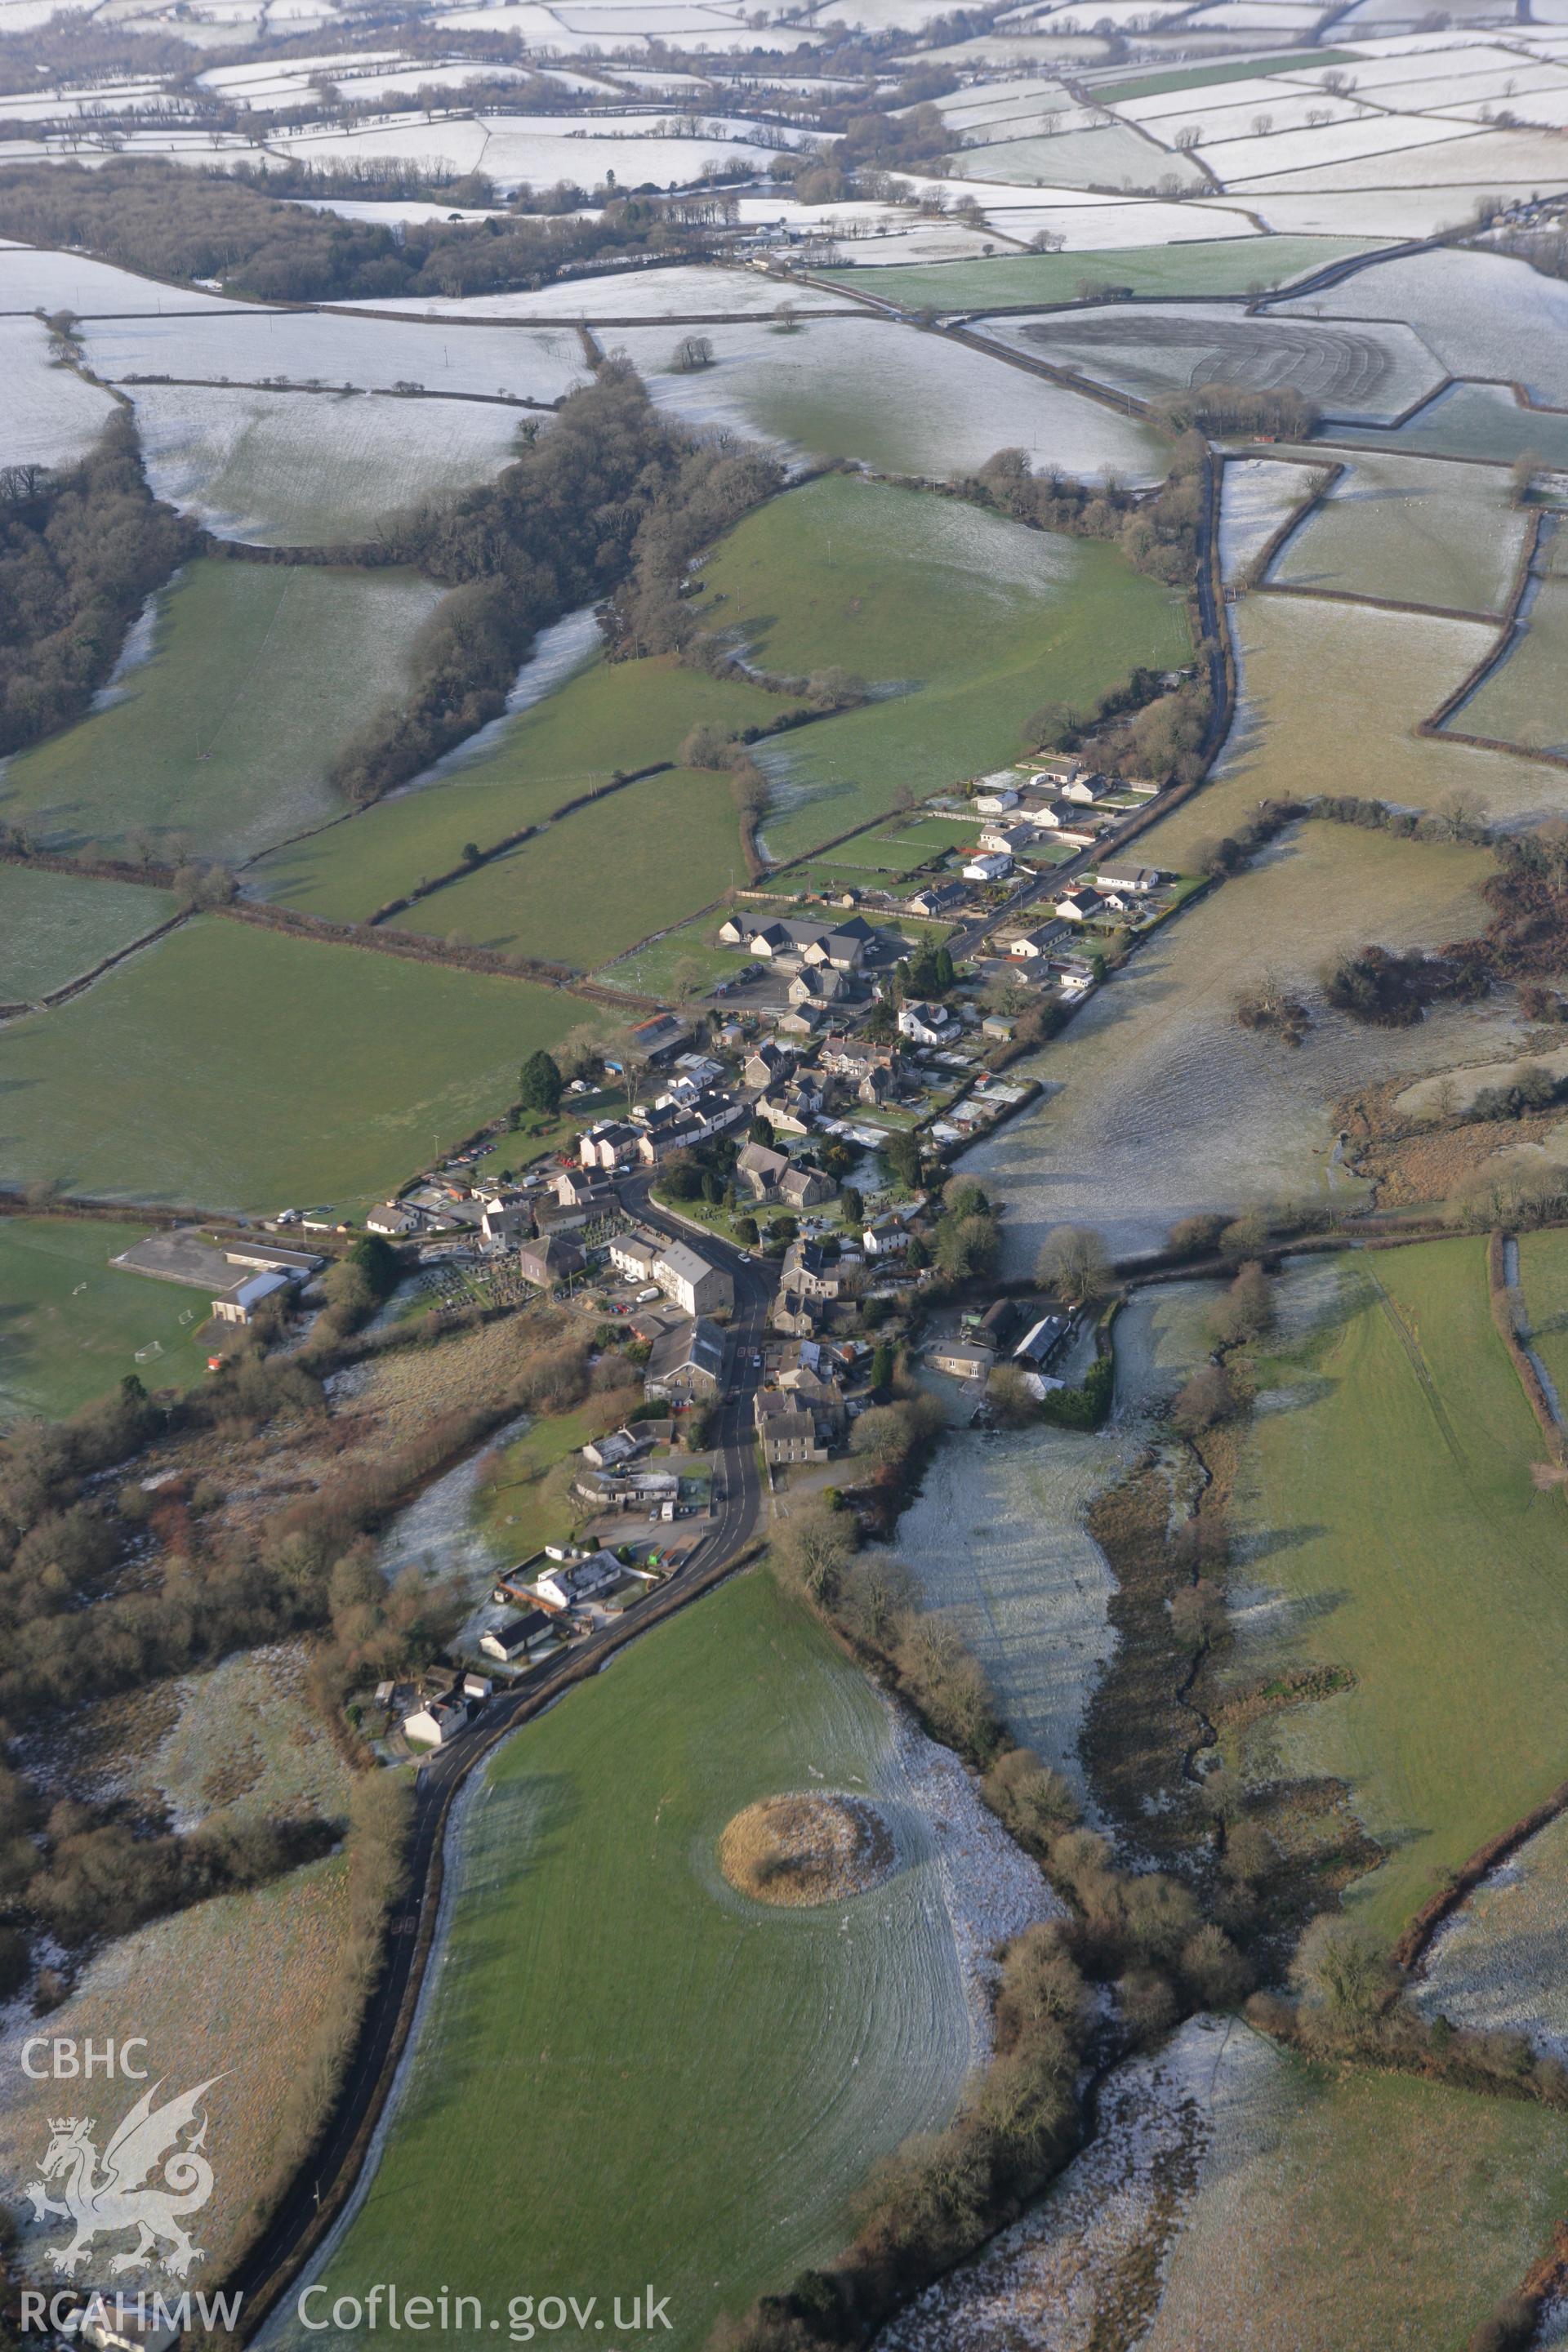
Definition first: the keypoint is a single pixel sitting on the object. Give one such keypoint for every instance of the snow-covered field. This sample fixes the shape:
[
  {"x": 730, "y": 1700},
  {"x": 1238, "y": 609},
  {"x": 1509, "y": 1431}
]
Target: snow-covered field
[
  {"x": 1367, "y": 371},
  {"x": 293, "y": 469},
  {"x": 48, "y": 416},
  {"x": 887, "y": 396},
  {"x": 31, "y": 280},
  {"x": 1497, "y": 1965},
  {"x": 627, "y": 294},
  {"x": 1237, "y": 160},
  {"x": 1257, "y": 494},
  {"x": 539, "y": 364},
  {"x": 1391, "y": 213},
  {"x": 1482, "y": 314}
]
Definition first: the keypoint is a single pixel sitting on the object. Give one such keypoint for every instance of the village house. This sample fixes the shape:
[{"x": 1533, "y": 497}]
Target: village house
[
  {"x": 1085, "y": 790},
  {"x": 518, "y": 1638},
  {"x": 767, "y": 1062},
  {"x": 507, "y": 1221},
  {"x": 550, "y": 1260},
  {"x": 668, "y": 1126},
  {"x": 803, "y": 1020},
  {"x": 390, "y": 1219},
  {"x": 567, "y": 1583},
  {"x": 798, "y": 1313},
  {"x": 989, "y": 865},
  {"x": 686, "y": 1364},
  {"x": 697, "y": 1286},
  {"x": 810, "y": 1268},
  {"x": 792, "y": 1109},
  {"x": 805, "y": 1374},
  {"x": 1063, "y": 819},
  {"x": 821, "y": 984},
  {"x": 635, "y": 1254},
  {"x": 1136, "y": 881},
  {"x": 611, "y": 1143},
  {"x": 438, "y": 1720},
  {"x": 964, "y": 1359},
  {"x": 928, "y": 1024},
  {"x": 787, "y": 1429},
  {"x": 995, "y": 795},
  {"x": 584, "y": 1188},
  {"x": 1077, "y": 906},
  {"x": 614, "y": 1451}
]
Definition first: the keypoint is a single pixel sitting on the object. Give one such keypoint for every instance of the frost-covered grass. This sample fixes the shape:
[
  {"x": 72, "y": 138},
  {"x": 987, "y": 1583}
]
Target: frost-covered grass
[
  {"x": 1477, "y": 420},
  {"x": 534, "y": 363},
  {"x": 1235, "y": 263},
  {"x": 219, "y": 1992},
  {"x": 1158, "y": 1104},
  {"x": 72, "y": 1325},
  {"x": 55, "y": 927},
  {"x": 965, "y": 623},
  {"x": 511, "y": 152},
  {"x": 221, "y": 743},
  {"x": 301, "y": 469},
  {"x": 1484, "y": 314},
  {"x": 724, "y": 2073},
  {"x": 609, "y": 715},
  {"x": 31, "y": 280},
  {"x": 627, "y": 294},
  {"x": 1385, "y": 213},
  {"x": 235, "y": 1067},
  {"x": 1258, "y": 495},
  {"x": 1336, "y": 2210},
  {"x": 1330, "y": 698},
  {"x": 1359, "y": 371},
  {"x": 1475, "y": 159},
  {"x": 1115, "y": 157},
  {"x": 1239, "y": 160},
  {"x": 1388, "y": 1500},
  {"x": 600, "y": 879},
  {"x": 1412, "y": 528},
  {"x": 1497, "y": 1965},
  {"x": 997, "y": 1534},
  {"x": 1522, "y": 701},
  {"x": 887, "y": 396},
  {"x": 48, "y": 416}
]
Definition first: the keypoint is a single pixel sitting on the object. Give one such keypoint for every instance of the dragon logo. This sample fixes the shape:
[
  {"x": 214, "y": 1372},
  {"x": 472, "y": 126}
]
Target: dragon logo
[{"x": 102, "y": 2204}]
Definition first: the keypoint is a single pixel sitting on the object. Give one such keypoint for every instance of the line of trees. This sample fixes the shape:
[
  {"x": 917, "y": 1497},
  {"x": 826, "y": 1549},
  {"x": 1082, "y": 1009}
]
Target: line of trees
[{"x": 81, "y": 552}]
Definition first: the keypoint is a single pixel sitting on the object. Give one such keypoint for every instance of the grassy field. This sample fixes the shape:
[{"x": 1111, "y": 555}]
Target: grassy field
[
  {"x": 1336, "y": 2210},
  {"x": 72, "y": 1325},
  {"x": 610, "y": 715},
  {"x": 1200, "y": 76},
  {"x": 601, "y": 879},
  {"x": 1242, "y": 265},
  {"x": 217, "y": 1991},
  {"x": 1522, "y": 702},
  {"x": 1330, "y": 702},
  {"x": 1411, "y": 529},
  {"x": 220, "y": 744},
  {"x": 231, "y": 1066},
  {"x": 716, "y": 2075},
  {"x": 1390, "y": 1501},
  {"x": 1544, "y": 1278},
  {"x": 522, "y": 1505},
  {"x": 965, "y": 623},
  {"x": 1477, "y": 420},
  {"x": 55, "y": 927},
  {"x": 686, "y": 963}
]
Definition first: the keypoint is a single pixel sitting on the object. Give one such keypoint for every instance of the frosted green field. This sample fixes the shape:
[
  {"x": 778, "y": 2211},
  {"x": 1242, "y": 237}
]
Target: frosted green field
[
  {"x": 55, "y": 927},
  {"x": 1412, "y": 530},
  {"x": 72, "y": 1325},
  {"x": 1525, "y": 699},
  {"x": 220, "y": 744}
]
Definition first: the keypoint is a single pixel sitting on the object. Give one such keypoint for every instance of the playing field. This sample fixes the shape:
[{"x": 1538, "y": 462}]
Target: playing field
[
  {"x": 963, "y": 623},
  {"x": 1388, "y": 1499},
  {"x": 72, "y": 1325},
  {"x": 221, "y": 742},
  {"x": 718, "y": 2075},
  {"x": 55, "y": 927},
  {"x": 235, "y": 1068},
  {"x": 611, "y": 715},
  {"x": 632, "y": 864},
  {"x": 1222, "y": 265}
]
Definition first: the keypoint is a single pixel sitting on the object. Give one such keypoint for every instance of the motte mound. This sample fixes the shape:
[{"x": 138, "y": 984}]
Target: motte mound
[{"x": 807, "y": 1849}]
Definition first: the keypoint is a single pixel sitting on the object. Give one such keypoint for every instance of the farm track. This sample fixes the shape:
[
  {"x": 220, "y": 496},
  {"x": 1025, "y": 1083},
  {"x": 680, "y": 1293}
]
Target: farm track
[{"x": 1421, "y": 1370}]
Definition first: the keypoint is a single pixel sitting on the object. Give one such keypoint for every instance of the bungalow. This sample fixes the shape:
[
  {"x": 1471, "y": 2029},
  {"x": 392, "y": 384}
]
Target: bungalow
[
  {"x": 1139, "y": 880},
  {"x": 928, "y": 1024},
  {"x": 627, "y": 1490},
  {"x": 518, "y": 1638},
  {"x": 567, "y": 1582},
  {"x": 937, "y": 899},
  {"x": 696, "y": 1285},
  {"x": 1085, "y": 789},
  {"x": 547, "y": 1262},
  {"x": 1060, "y": 816},
  {"x": 611, "y": 1143},
  {"x": 966, "y": 1359},
  {"x": 686, "y": 1364},
  {"x": 391, "y": 1219},
  {"x": 635, "y": 1254},
  {"x": 760, "y": 1170},
  {"x": 1030, "y": 946},
  {"x": 803, "y": 1020},
  {"x": 787, "y": 1429},
  {"x": 804, "y": 1186},
  {"x": 989, "y": 865},
  {"x": 1009, "y": 839},
  {"x": 613, "y": 1450},
  {"x": 1077, "y": 906},
  {"x": 437, "y": 1721},
  {"x": 995, "y": 795}
]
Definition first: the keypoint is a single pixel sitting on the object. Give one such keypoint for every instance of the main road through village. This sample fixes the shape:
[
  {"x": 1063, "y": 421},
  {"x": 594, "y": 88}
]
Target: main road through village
[{"x": 323, "y": 2186}]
